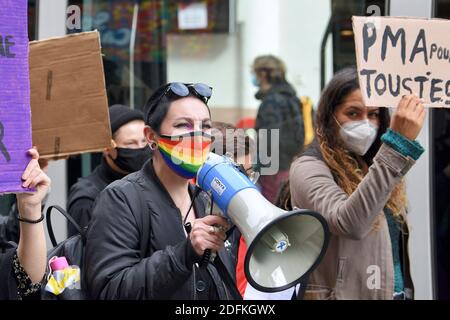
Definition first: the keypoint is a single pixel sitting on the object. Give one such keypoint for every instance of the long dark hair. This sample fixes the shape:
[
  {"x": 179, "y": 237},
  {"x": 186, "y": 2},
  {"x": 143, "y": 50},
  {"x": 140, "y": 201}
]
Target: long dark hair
[{"x": 345, "y": 166}]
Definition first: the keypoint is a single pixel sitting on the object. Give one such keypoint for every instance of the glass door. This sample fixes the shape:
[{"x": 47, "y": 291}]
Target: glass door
[{"x": 134, "y": 56}]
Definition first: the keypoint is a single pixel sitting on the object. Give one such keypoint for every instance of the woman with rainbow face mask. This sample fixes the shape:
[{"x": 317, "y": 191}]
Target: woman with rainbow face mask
[{"x": 179, "y": 133}]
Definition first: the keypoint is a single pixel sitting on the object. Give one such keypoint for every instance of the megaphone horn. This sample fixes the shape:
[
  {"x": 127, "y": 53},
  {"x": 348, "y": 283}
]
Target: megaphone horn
[{"x": 283, "y": 246}]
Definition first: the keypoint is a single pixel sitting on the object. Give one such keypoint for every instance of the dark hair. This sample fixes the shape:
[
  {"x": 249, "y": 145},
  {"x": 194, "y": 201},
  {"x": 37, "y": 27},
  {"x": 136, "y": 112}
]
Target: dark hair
[
  {"x": 158, "y": 105},
  {"x": 341, "y": 85},
  {"x": 228, "y": 138}
]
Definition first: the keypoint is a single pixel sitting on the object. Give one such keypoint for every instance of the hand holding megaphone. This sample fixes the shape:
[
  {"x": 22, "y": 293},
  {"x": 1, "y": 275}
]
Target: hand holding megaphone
[{"x": 208, "y": 233}]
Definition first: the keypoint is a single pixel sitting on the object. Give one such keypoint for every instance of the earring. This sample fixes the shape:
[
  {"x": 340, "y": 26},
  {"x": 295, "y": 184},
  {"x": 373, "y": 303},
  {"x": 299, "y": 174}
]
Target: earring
[{"x": 153, "y": 145}]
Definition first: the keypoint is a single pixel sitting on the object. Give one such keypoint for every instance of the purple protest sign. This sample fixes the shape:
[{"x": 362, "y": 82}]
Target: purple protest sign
[{"x": 15, "y": 114}]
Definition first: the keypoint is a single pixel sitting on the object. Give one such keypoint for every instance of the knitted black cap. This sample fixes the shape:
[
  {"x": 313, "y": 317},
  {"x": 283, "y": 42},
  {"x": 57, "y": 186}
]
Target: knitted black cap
[{"x": 120, "y": 115}]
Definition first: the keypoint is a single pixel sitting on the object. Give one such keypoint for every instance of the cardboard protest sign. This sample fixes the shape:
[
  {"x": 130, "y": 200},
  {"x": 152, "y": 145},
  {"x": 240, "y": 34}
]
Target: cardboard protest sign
[
  {"x": 15, "y": 122},
  {"x": 400, "y": 56},
  {"x": 68, "y": 96}
]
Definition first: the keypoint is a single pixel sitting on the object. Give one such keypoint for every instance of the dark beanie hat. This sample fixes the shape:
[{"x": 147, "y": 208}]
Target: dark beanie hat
[{"x": 120, "y": 115}]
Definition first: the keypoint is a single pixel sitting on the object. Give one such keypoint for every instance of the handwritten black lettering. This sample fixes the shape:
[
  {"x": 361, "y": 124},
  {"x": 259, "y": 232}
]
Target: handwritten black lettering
[
  {"x": 393, "y": 92},
  {"x": 394, "y": 40},
  {"x": 368, "y": 73},
  {"x": 380, "y": 90},
  {"x": 421, "y": 80},
  {"x": 442, "y": 53},
  {"x": 6, "y": 45},
  {"x": 3, "y": 149},
  {"x": 447, "y": 92},
  {"x": 434, "y": 89},
  {"x": 368, "y": 40},
  {"x": 406, "y": 86},
  {"x": 433, "y": 49},
  {"x": 421, "y": 40}
]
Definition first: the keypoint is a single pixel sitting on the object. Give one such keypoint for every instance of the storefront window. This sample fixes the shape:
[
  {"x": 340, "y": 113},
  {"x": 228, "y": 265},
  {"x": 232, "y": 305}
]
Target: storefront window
[
  {"x": 32, "y": 19},
  {"x": 132, "y": 37}
]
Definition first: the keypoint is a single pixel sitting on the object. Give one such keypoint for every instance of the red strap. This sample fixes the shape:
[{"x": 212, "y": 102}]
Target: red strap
[{"x": 241, "y": 280}]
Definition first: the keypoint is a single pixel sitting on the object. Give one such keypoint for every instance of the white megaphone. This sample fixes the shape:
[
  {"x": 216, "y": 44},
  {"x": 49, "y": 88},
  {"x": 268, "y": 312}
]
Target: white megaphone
[{"x": 283, "y": 246}]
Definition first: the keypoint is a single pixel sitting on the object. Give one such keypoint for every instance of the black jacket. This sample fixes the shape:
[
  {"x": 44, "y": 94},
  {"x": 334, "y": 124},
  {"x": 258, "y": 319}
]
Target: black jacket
[
  {"x": 280, "y": 109},
  {"x": 82, "y": 194},
  {"x": 8, "y": 283},
  {"x": 114, "y": 266}
]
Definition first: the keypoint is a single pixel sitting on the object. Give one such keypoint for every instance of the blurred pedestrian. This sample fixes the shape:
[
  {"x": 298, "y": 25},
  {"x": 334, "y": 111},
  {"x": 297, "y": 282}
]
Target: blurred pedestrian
[{"x": 280, "y": 109}]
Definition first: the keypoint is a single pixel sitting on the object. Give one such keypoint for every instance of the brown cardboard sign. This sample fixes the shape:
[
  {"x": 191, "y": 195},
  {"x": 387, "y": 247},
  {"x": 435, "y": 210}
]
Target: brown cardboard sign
[
  {"x": 400, "y": 56},
  {"x": 69, "y": 104}
]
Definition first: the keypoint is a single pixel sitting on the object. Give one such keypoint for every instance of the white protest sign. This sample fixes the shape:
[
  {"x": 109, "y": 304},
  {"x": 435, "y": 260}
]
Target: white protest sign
[{"x": 400, "y": 56}]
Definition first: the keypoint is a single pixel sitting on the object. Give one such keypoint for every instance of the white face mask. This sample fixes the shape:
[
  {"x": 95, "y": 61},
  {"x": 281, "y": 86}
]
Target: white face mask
[{"x": 358, "y": 136}]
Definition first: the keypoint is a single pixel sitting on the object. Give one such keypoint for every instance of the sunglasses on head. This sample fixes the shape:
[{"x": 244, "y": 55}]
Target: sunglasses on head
[
  {"x": 200, "y": 90},
  {"x": 179, "y": 89}
]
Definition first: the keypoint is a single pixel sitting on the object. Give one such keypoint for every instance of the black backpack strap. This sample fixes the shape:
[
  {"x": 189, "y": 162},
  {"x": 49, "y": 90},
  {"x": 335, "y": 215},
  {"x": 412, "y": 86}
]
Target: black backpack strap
[
  {"x": 51, "y": 234},
  {"x": 227, "y": 279}
]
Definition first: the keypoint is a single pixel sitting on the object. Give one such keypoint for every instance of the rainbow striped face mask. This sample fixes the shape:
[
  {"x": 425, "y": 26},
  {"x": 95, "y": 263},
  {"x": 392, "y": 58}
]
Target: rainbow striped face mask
[{"x": 185, "y": 153}]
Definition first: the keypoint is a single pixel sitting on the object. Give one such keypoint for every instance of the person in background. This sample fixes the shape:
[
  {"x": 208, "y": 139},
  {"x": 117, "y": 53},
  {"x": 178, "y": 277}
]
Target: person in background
[
  {"x": 353, "y": 174},
  {"x": 22, "y": 266},
  {"x": 128, "y": 153},
  {"x": 280, "y": 109}
]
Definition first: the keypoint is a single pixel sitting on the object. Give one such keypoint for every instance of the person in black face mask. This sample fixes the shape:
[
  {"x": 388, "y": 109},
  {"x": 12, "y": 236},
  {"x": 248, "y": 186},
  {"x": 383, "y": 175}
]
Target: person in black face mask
[{"x": 128, "y": 153}]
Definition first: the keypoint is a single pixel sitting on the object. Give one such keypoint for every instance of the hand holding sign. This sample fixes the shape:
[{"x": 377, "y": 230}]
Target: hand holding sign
[
  {"x": 400, "y": 56},
  {"x": 15, "y": 117},
  {"x": 409, "y": 117},
  {"x": 33, "y": 177}
]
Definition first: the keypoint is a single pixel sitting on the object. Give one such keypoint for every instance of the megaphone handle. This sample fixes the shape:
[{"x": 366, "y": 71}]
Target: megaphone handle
[
  {"x": 207, "y": 254},
  {"x": 229, "y": 232},
  {"x": 188, "y": 227},
  {"x": 206, "y": 258}
]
